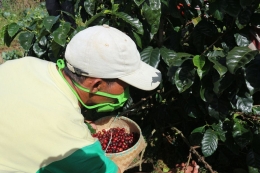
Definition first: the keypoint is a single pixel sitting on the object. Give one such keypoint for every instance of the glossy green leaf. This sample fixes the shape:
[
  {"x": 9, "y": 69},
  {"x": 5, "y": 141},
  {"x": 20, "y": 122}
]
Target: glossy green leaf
[
  {"x": 6, "y": 37},
  {"x": 38, "y": 50},
  {"x": 218, "y": 108},
  {"x": 215, "y": 10},
  {"x": 216, "y": 53},
  {"x": 13, "y": 28},
  {"x": 138, "y": 40},
  {"x": 218, "y": 66},
  {"x": 242, "y": 40},
  {"x": 181, "y": 57},
  {"x": 171, "y": 74},
  {"x": 55, "y": 49},
  {"x": 25, "y": 40},
  {"x": 204, "y": 71},
  {"x": 49, "y": 21},
  {"x": 168, "y": 56},
  {"x": 206, "y": 92},
  {"x": 89, "y": 6},
  {"x": 134, "y": 22},
  {"x": 198, "y": 130},
  {"x": 239, "y": 57},
  {"x": 138, "y": 2},
  {"x": 184, "y": 78},
  {"x": 252, "y": 75},
  {"x": 209, "y": 143},
  {"x": 253, "y": 170},
  {"x": 218, "y": 128},
  {"x": 199, "y": 61},
  {"x": 152, "y": 14},
  {"x": 256, "y": 109},
  {"x": 93, "y": 18},
  {"x": 60, "y": 35},
  {"x": 151, "y": 56},
  {"x": 43, "y": 41},
  {"x": 240, "y": 133},
  {"x": 245, "y": 103},
  {"x": 223, "y": 83}
]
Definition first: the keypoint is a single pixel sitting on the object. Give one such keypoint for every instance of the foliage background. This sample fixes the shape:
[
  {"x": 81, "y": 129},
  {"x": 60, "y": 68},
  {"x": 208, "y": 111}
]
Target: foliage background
[{"x": 206, "y": 107}]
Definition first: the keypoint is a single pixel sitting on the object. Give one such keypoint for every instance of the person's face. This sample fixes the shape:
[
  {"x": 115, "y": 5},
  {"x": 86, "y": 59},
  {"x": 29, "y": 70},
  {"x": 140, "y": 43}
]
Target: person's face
[{"x": 117, "y": 87}]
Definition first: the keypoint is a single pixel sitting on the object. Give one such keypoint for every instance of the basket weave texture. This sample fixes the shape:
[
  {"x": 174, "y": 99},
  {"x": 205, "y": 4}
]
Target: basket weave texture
[{"x": 130, "y": 157}]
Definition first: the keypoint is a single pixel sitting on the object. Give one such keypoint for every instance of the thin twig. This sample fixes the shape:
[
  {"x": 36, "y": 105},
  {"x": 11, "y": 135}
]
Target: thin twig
[{"x": 193, "y": 150}]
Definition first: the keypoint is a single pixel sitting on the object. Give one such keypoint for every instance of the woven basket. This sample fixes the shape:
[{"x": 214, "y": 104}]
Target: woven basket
[{"x": 131, "y": 157}]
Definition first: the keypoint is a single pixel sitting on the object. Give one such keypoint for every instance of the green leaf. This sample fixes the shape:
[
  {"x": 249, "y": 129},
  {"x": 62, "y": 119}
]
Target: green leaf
[
  {"x": 199, "y": 61},
  {"x": 219, "y": 67},
  {"x": 138, "y": 26},
  {"x": 13, "y": 28},
  {"x": 209, "y": 143},
  {"x": 89, "y": 6},
  {"x": 223, "y": 83},
  {"x": 6, "y": 37},
  {"x": 241, "y": 134},
  {"x": 168, "y": 56},
  {"x": 60, "y": 34},
  {"x": 115, "y": 8},
  {"x": 239, "y": 57},
  {"x": 93, "y": 18},
  {"x": 49, "y": 21},
  {"x": 218, "y": 128},
  {"x": 55, "y": 49},
  {"x": 138, "y": 40},
  {"x": 253, "y": 170},
  {"x": 181, "y": 57},
  {"x": 38, "y": 50},
  {"x": 218, "y": 108},
  {"x": 204, "y": 71},
  {"x": 138, "y": 2},
  {"x": 25, "y": 40},
  {"x": 151, "y": 56},
  {"x": 198, "y": 130},
  {"x": 215, "y": 10},
  {"x": 184, "y": 78},
  {"x": 152, "y": 14},
  {"x": 241, "y": 40},
  {"x": 245, "y": 103},
  {"x": 256, "y": 109}
]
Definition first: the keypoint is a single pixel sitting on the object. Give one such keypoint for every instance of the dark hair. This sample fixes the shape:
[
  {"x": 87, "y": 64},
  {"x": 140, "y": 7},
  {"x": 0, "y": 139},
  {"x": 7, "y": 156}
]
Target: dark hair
[{"x": 79, "y": 78}]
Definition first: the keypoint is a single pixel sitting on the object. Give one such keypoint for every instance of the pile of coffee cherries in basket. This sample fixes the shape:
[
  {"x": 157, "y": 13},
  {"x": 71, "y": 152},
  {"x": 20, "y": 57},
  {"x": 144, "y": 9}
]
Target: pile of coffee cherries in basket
[{"x": 115, "y": 140}]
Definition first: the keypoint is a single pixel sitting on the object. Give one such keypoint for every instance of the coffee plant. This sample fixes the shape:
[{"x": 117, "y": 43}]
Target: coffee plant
[{"x": 207, "y": 106}]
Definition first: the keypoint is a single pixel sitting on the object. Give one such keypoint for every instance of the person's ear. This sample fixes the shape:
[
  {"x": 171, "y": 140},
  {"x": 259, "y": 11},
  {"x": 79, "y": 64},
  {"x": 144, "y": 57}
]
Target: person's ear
[{"x": 94, "y": 84}]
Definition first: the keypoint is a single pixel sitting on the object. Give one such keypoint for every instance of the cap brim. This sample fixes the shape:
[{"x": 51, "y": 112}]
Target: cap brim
[{"x": 145, "y": 78}]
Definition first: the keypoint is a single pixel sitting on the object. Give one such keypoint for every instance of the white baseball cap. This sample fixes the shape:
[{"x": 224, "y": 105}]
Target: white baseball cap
[{"x": 106, "y": 52}]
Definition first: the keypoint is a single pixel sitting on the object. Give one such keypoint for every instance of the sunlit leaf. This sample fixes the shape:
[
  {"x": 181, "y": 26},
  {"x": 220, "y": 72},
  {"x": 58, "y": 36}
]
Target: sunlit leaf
[
  {"x": 238, "y": 57},
  {"x": 209, "y": 143}
]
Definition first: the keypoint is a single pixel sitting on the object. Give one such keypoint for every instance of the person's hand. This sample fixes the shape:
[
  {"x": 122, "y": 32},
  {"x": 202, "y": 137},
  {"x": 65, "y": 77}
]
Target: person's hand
[
  {"x": 191, "y": 168},
  {"x": 91, "y": 126}
]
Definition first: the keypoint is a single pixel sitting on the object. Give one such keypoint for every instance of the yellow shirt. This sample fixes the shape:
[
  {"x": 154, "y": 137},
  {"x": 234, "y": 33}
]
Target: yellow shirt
[{"x": 41, "y": 123}]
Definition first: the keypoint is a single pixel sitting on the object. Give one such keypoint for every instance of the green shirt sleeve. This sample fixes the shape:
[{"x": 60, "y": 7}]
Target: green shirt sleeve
[{"x": 89, "y": 159}]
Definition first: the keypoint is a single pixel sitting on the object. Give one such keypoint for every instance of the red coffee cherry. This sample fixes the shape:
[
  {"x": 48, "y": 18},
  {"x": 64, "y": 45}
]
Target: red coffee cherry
[{"x": 116, "y": 140}]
